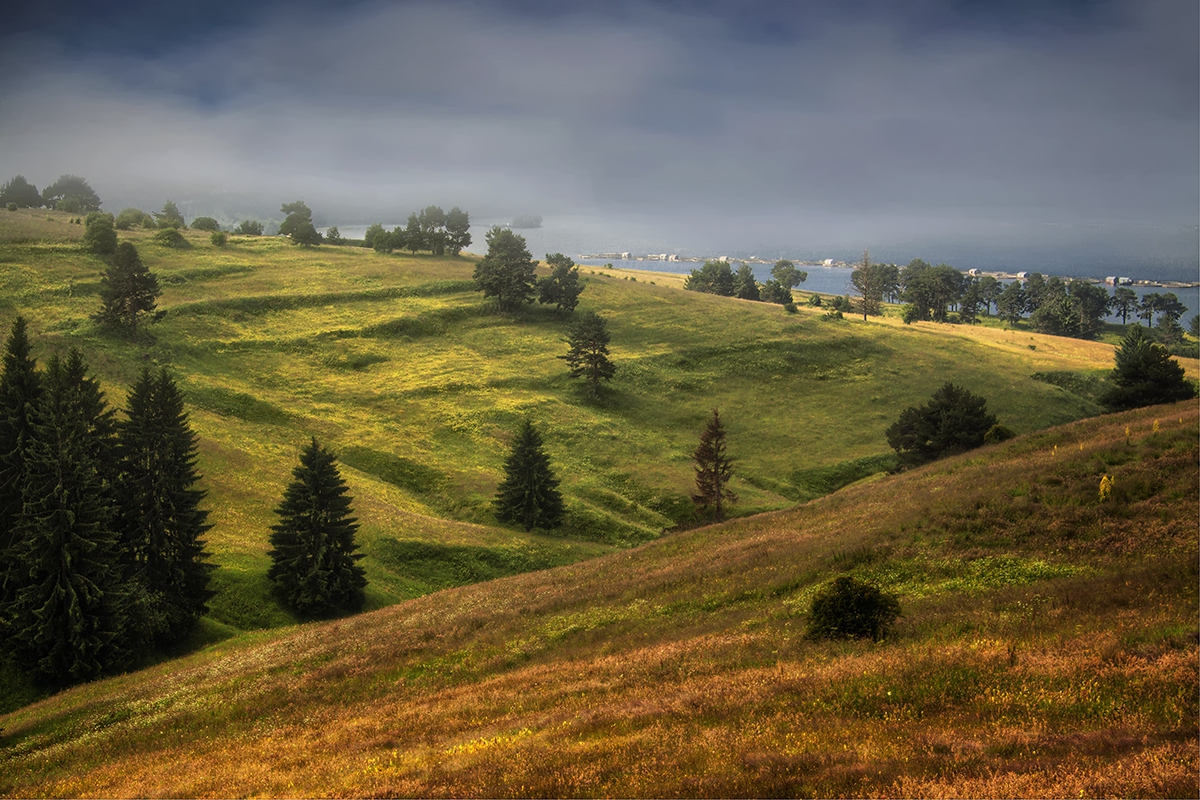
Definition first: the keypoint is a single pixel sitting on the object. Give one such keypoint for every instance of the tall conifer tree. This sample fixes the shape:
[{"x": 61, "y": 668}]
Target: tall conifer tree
[
  {"x": 161, "y": 521},
  {"x": 313, "y": 548},
  {"x": 20, "y": 390},
  {"x": 529, "y": 492},
  {"x": 68, "y": 598}
]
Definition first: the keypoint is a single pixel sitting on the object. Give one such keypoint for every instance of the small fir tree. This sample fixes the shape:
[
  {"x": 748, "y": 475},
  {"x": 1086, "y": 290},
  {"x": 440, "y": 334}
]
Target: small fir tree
[
  {"x": 714, "y": 469},
  {"x": 161, "y": 522},
  {"x": 128, "y": 290},
  {"x": 529, "y": 494},
  {"x": 588, "y": 354},
  {"x": 313, "y": 558}
]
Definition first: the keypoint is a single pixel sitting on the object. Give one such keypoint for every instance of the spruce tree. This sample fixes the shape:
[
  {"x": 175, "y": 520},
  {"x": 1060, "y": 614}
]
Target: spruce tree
[
  {"x": 714, "y": 469},
  {"x": 20, "y": 390},
  {"x": 588, "y": 353},
  {"x": 161, "y": 521},
  {"x": 312, "y": 548},
  {"x": 529, "y": 494},
  {"x": 127, "y": 290},
  {"x": 67, "y": 613}
]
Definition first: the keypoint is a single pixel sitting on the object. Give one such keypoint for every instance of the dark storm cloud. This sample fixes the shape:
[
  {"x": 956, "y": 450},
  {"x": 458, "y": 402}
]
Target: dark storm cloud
[{"x": 850, "y": 121}]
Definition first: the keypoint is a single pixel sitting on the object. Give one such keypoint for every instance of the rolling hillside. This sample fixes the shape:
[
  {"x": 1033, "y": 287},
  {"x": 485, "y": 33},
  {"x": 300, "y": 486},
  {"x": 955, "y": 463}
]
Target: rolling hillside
[
  {"x": 395, "y": 363},
  {"x": 1048, "y": 648}
]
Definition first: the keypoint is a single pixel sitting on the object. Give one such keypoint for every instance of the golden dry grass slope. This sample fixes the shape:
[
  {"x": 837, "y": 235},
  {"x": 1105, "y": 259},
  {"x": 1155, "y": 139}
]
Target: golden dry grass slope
[{"x": 1048, "y": 648}]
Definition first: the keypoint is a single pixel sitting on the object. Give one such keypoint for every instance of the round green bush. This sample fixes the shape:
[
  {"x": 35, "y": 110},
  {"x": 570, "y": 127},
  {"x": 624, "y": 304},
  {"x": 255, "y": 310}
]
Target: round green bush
[
  {"x": 171, "y": 237},
  {"x": 852, "y": 609},
  {"x": 206, "y": 224},
  {"x": 11, "y": 206},
  {"x": 219, "y": 238},
  {"x": 998, "y": 433}
]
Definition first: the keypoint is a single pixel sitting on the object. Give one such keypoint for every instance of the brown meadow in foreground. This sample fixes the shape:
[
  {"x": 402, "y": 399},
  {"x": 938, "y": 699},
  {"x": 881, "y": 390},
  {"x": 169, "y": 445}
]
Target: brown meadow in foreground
[{"x": 1048, "y": 649}]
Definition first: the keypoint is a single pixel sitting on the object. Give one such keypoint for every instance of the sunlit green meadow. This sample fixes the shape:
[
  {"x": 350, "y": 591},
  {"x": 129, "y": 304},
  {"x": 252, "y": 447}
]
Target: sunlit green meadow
[{"x": 397, "y": 364}]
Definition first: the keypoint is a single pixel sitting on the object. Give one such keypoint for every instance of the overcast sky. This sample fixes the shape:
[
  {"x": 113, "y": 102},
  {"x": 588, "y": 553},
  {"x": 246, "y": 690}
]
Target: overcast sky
[{"x": 791, "y": 124}]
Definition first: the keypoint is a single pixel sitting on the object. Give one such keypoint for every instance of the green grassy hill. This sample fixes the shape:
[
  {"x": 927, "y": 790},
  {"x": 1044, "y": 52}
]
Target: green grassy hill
[
  {"x": 1048, "y": 648},
  {"x": 395, "y": 363}
]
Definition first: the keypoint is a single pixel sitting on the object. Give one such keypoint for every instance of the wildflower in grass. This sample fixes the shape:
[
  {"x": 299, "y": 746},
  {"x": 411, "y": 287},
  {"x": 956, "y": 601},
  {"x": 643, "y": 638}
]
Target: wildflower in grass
[
  {"x": 312, "y": 548},
  {"x": 1156, "y": 426},
  {"x": 1106, "y": 485}
]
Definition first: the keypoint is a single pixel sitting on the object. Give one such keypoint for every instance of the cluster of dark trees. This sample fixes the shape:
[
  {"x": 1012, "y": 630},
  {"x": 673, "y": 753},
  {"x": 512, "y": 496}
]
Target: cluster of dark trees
[
  {"x": 430, "y": 229},
  {"x": 1075, "y": 308},
  {"x": 69, "y": 193},
  {"x": 718, "y": 277},
  {"x": 100, "y": 518},
  {"x": 507, "y": 274}
]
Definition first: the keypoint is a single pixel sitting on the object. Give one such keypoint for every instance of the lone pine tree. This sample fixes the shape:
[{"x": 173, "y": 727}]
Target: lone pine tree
[
  {"x": 161, "y": 521},
  {"x": 713, "y": 470},
  {"x": 588, "y": 354},
  {"x": 127, "y": 290},
  {"x": 529, "y": 494},
  {"x": 312, "y": 547}
]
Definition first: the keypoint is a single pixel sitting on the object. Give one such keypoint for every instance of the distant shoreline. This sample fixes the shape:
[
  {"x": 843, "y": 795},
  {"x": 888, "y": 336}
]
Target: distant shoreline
[{"x": 998, "y": 275}]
